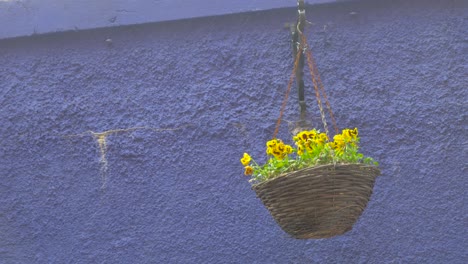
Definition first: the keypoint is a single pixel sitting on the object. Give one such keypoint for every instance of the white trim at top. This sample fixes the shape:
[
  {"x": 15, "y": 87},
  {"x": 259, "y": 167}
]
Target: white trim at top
[{"x": 29, "y": 17}]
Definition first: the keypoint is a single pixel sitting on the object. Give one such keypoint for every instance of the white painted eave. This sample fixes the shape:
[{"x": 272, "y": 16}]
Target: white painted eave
[{"x": 29, "y": 17}]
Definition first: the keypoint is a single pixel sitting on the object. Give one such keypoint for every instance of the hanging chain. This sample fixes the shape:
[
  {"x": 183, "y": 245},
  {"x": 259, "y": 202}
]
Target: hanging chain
[
  {"x": 317, "y": 82},
  {"x": 311, "y": 64},
  {"x": 285, "y": 100},
  {"x": 317, "y": 93}
]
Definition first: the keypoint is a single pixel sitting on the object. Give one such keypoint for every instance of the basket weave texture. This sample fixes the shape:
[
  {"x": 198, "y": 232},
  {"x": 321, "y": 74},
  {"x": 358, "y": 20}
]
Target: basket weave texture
[{"x": 318, "y": 202}]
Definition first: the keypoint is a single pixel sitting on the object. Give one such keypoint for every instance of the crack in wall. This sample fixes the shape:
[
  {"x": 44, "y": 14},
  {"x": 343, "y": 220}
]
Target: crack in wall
[{"x": 101, "y": 139}]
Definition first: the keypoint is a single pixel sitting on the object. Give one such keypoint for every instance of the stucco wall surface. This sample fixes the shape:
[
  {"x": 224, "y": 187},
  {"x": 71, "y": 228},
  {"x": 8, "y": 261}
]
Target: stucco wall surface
[{"x": 396, "y": 71}]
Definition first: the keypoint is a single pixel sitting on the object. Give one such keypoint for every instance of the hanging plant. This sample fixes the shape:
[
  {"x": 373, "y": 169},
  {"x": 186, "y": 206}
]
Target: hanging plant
[{"x": 316, "y": 187}]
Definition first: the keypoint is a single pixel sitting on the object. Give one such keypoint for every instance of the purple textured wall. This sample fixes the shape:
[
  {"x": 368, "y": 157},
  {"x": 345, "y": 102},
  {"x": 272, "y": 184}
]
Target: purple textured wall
[{"x": 397, "y": 71}]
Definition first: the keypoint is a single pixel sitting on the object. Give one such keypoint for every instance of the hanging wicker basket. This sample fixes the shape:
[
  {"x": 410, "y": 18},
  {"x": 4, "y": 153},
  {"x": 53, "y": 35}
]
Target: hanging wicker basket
[{"x": 318, "y": 202}]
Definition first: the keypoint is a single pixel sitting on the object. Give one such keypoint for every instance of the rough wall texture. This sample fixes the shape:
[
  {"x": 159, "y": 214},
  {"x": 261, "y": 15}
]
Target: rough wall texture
[{"x": 397, "y": 71}]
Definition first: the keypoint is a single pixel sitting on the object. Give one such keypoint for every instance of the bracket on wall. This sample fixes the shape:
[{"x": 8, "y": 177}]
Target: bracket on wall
[{"x": 297, "y": 29}]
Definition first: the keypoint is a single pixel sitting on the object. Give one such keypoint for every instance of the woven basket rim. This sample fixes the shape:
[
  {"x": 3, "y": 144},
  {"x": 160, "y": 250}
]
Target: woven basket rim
[{"x": 319, "y": 167}]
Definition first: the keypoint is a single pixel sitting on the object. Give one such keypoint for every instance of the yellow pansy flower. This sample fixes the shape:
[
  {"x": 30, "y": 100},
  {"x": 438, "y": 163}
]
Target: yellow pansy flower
[
  {"x": 323, "y": 136},
  {"x": 337, "y": 148},
  {"x": 272, "y": 143},
  {"x": 245, "y": 159},
  {"x": 354, "y": 133},
  {"x": 309, "y": 147},
  {"x": 320, "y": 139},
  {"x": 350, "y": 134},
  {"x": 318, "y": 142},
  {"x": 300, "y": 150},
  {"x": 248, "y": 170},
  {"x": 339, "y": 139},
  {"x": 280, "y": 147},
  {"x": 304, "y": 135},
  {"x": 288, "y": 149},
  {"x": 338, "y": 142},
  {"x": 278, "y": 155},
  {"x": 346, "y": 135},
  {"x": 311, "y": 134}
]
